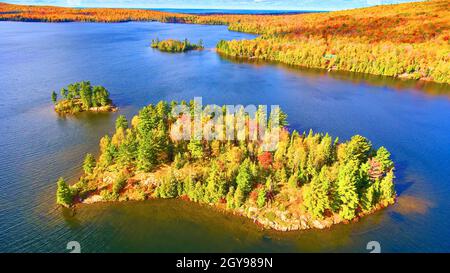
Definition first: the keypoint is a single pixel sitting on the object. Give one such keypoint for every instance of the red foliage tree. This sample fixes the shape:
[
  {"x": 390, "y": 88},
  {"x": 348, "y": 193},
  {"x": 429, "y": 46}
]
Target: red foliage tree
[{"x": 265, "y": 159}]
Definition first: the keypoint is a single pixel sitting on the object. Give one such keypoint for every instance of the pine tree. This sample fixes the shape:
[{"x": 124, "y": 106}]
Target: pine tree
[
  {"x": 168, "y": 187},
  {"x": 230, "y": 198},
  {"x": 127, "y": 151},
  {"x": 387, "y": 191},
  {"x": 147, "y": 158},
  {"x": 347, "y": 181},
  {"x": 239, "y": 197},
  {"x": 54, "y": 97},
  {"x": 293, "y": 181},
  {"x": 85, "y": 93},
  {"x": 384, "y": 158},
  {"x": 315, "y": 195},
  {"x": 358, "y": 148},
  {"x": 369, "y": 197},
  {"x": 64, "y": 92},
  {"x": 215, "y": 186},
  {"x": 243, "y": 179},
  {"x": 196, "y": 149},
  {"x": 262, "y": 195},
  {"x": 121, "y": 122},
  {"x": 64, "y": 195},
  {"x": 89, "y": 164},
  {"x": 119, "y": 183}
]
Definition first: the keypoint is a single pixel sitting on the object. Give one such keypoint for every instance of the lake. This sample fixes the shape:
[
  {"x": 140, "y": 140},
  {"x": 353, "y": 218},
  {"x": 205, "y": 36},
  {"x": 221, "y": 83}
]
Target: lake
[{"x": 412, "y": 119}]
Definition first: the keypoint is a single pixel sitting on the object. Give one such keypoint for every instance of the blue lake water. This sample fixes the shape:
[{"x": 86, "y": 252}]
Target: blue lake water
[{"x": 411, "y": 119}]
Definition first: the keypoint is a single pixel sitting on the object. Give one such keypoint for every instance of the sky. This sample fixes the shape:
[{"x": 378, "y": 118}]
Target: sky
[{"x": 316, "y": 5}]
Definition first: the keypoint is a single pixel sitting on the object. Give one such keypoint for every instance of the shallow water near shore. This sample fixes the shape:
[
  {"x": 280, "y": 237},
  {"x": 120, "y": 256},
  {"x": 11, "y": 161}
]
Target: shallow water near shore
[{"x": 37, "y": 146}]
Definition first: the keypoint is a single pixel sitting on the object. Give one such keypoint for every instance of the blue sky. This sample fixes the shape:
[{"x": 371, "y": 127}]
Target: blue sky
[{"x": 218, "y": 4}]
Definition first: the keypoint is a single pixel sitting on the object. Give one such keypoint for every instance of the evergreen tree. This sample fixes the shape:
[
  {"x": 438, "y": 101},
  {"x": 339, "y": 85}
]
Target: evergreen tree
[
  {"x": 147, "y": 153},
  {"x": 239, "y": 198},
  {"x": 119, "y": 183},
  {"x": 387, "y": 191},
  {"x": 64, "y": 92},
  {"x": 293, "y": 181},
  {"x": 384, "y": 158},
  {"x": 315, "y": 195},
  {"x": 85, "y": 93},
  {"x": 243, "y": 179},
  {"x": 54, "y": 97},
  {"x": 358, "y": 148},
  {"x": 347, "y": 181},
  {"x": 196, "y": 149},
  {"x": 215, "y": 186},
  {"x": 230, "y": 198},
  {"x": 121, "y": 122},
  {"x": 168, "y": 187},
  {"x": 262, "y": 195},
  {"x": 89, "y": 164},
  {"x": 64, "y": 195},
  {"x": 369, "y": 197},
  {"x": 127, "y": 151}
]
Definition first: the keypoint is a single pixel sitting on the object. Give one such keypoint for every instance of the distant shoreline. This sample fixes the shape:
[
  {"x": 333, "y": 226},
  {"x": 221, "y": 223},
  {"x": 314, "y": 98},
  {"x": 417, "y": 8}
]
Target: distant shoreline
[{"x": 223, "y": 11}]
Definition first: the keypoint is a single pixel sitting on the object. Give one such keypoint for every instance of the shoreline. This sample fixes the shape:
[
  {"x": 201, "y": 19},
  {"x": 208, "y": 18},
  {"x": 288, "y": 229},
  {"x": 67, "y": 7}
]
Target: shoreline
[
  {"x": 305, "y": 222},
  {"x": 246, "y": 24}
]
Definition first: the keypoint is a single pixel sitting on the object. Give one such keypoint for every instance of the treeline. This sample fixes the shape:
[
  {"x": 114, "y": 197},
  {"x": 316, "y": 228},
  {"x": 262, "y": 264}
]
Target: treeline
[
  {"x": 171, "y": 45},
  {"x": 309, "y": 175},
  {"x": 408, "y": 40},
  {"x": 388, "y": 59},
  {"x": 81, "y": 96}
]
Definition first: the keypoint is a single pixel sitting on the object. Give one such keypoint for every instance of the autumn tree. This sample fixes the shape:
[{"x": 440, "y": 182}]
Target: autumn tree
[{"x": 89, "y": 164}]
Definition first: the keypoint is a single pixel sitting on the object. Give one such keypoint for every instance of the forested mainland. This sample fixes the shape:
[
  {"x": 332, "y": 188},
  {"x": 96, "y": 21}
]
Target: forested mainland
[{"x": 409, "y": 40}]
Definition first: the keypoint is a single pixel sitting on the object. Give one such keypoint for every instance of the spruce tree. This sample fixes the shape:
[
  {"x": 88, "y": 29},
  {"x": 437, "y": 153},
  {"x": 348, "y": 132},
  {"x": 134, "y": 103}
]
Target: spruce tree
[
  {"x": 89, "y": 164},
  {"x": 387, "y": 191},
  {"x": 121, "y": 122},
  {"x": 347, "y": 181},
  {"x": 64, "y": 195},
  {"x": 243, "y": 179},
  {"x": 316, "y": 195},
  {"x": 384, "y": 158},
  {"x": 262, "y": 195},
  {"x": 54, "y": 97}
]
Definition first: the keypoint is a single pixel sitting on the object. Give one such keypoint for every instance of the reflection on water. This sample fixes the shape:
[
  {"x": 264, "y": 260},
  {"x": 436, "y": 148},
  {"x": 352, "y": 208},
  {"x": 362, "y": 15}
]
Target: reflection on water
[
  {"x": 37, "y": 146},
  {"x": 427, "y": 87},
  {"x": 411, "y": 204}
]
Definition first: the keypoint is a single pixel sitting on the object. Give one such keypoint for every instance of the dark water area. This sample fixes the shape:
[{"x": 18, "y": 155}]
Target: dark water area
[{"x": 412, "y": 119}]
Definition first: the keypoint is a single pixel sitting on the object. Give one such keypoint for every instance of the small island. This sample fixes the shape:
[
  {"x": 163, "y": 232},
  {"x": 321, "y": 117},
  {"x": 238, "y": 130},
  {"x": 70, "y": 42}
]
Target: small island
[
  {"x": 309, "y": 180},
  {"x": 175, "y": 46},
  {"x": 81, "y": 96}
]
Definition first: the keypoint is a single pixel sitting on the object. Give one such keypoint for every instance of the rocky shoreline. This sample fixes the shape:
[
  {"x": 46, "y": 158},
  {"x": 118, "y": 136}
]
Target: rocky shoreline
[{"x": 282, "y": 221}]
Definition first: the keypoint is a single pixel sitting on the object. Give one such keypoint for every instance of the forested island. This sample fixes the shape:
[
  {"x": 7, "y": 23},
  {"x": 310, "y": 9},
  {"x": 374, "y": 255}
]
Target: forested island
[
  {"x": 175, "y": 46},
  {"x": 408, "y": 40},
  {"x": 310, "y": 180},
  {"x": 82, "y": 96}
]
